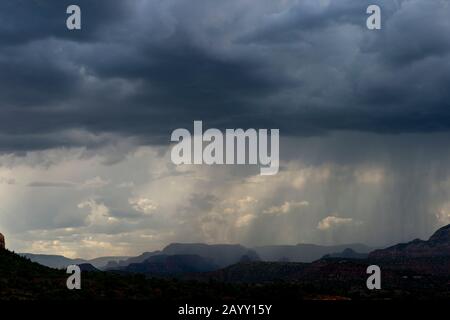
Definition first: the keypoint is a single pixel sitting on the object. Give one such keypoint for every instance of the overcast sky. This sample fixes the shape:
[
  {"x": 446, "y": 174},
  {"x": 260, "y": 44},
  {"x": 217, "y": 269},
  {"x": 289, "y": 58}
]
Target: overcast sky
[{"x": 86, "y": 118}]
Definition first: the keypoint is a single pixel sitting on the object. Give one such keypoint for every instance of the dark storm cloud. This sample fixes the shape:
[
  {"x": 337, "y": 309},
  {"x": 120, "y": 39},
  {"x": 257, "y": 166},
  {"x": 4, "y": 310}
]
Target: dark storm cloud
[
  {"x": 143, "y": 68},
  {"x": 31, "y": 20}
]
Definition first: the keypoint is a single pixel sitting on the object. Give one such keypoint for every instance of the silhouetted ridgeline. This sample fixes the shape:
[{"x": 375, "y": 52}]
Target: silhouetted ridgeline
[
  {"x": 438, "y": 245},
  {"x": 221, "y": 255},
  {"x": 414, "y": 270}
]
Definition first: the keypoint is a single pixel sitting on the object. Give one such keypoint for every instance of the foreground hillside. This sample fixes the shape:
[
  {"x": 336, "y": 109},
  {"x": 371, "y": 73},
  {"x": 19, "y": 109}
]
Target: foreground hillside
[
  {"x": 416, "y": 279},
  {"x": 21, "y": 279}
]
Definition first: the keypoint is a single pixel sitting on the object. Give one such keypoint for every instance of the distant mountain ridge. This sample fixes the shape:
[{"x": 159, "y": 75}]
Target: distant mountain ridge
[
  {"x": 171, "y": 265},
  {"x": 88, "y": 267},
  {"x": 61, "y": 262},
  {"x": 114, "y": 264},
  {"x": 347, "y": 254},
  {"x": 438, "y": 245},
  {"x": 304, "y": 252},
  {"x": 221, "y": 255},
  {"x": 52, "y": 261}
]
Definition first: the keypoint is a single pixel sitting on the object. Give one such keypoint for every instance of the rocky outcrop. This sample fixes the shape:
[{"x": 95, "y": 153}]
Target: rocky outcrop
[
  {"x": 2, "y": 242},
  {"x": 438, "y": 245}
]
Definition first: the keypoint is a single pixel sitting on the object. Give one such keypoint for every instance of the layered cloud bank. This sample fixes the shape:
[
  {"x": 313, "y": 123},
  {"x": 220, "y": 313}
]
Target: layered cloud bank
[{"x": 339, "y": 188}]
